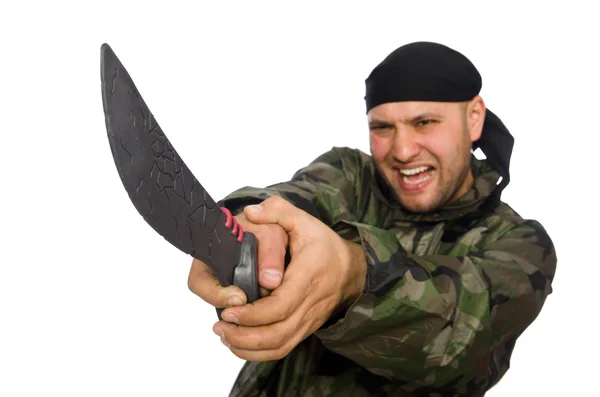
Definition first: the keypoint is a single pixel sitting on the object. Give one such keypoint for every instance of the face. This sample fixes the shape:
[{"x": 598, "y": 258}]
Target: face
[{"x": 423, "y": 149}]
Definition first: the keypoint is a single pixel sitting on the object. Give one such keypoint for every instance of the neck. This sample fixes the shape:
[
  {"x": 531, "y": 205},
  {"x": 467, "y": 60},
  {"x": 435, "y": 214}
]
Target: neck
[{"x": 464, "y": 187}]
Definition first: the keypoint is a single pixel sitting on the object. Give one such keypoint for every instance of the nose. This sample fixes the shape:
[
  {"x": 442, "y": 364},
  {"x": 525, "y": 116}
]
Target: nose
[{"x": 406, "y": 145}]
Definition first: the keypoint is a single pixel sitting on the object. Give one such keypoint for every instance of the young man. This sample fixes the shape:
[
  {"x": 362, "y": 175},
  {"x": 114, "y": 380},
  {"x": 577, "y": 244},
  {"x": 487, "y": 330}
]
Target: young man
[{"x": 408, "y": 275}]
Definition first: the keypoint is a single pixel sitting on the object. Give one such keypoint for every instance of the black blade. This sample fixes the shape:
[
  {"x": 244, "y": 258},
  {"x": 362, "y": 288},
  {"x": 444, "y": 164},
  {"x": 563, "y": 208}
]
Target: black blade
[{"x": 159, "y": 184}]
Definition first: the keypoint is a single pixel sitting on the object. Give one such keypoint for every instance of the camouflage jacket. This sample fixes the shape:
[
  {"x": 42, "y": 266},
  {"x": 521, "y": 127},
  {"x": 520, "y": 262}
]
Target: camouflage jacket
[{"x": 446, "y": 295}]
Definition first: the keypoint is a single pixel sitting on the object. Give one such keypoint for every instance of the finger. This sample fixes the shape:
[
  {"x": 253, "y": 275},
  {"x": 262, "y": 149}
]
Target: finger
[
  {"x": 203, "y": 282},
  {"x": 276, "y": 210},
  {"x": 271, "y": 249},
  {"x": 264, "y": 292},
  {"x": 258, "y": 355},
  {"x": 267, "y": 337},
  {"x": 273, "y": 308},
  {"x": 268, "y": 354}
]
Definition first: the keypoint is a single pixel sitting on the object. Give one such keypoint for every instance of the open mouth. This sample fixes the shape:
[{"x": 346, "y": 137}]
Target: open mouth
[{"x": 414, "y": 177}]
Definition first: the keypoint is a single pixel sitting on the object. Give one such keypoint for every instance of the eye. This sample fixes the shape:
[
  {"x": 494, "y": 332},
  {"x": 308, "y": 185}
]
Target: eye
[{"x": 425, "y": 122}]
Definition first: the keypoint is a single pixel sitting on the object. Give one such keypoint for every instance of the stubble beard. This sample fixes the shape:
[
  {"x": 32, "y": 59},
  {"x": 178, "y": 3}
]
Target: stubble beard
[{"x": 446, "y": 191}]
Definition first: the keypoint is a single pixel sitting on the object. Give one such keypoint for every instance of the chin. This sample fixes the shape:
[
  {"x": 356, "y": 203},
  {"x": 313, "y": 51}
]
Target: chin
[
  {"x": 419, "y": 208},
  {"x": 421, "y": 203}
]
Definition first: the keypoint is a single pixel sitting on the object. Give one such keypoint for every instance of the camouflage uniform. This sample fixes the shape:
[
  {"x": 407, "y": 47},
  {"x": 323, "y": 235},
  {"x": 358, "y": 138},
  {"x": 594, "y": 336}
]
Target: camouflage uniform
[{"x": 446, "y": 295}]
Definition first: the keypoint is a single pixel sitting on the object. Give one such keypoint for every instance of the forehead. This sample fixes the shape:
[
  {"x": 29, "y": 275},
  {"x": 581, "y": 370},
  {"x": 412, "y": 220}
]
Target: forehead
[{"x": 399, "y": 111}]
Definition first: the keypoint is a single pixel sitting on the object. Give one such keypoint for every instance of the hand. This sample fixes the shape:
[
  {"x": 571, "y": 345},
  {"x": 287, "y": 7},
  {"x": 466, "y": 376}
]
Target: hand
[
  {"x": 325, "y": 273},
  {"x": 272, "y": 242}
]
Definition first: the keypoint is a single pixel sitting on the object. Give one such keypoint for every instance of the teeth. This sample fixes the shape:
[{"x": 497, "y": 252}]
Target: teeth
[
  {"x": 413, "y": 171},
  {"x": 420, "y": 180}
]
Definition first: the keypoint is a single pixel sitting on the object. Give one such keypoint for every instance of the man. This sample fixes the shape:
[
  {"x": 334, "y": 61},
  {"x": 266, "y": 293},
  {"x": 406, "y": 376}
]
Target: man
[{"x": 408, "y": 275}]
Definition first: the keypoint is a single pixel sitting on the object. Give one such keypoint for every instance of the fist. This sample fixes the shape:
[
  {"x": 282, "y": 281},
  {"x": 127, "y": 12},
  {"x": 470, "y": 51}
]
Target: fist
[{"x": 272, "y": 242}]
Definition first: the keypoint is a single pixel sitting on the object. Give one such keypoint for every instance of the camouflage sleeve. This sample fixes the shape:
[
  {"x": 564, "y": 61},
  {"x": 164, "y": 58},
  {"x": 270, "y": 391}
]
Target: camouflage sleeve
[
  {"x": 322, "y": 189},
  {"x": 439, "y": 321}
]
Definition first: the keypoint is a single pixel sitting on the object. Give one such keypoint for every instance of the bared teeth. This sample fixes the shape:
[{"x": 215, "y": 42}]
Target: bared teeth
[
  {"x": 413, "y": 171},
  {"x": 422, "y": 179}
]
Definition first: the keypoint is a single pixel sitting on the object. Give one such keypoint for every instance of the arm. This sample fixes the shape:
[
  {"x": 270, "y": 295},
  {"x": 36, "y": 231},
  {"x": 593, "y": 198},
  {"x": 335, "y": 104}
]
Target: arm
[
  {"x": 440, "y": 320},
  {"x": 324, "y": 174}
]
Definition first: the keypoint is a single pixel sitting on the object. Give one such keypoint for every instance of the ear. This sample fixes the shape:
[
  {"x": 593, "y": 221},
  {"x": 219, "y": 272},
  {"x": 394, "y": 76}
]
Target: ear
[{"x": 475, "y": 117}]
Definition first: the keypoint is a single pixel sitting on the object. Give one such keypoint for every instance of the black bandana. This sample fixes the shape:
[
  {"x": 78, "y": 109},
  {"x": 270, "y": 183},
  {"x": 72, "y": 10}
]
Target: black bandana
[{"x": 423, "y": 71}]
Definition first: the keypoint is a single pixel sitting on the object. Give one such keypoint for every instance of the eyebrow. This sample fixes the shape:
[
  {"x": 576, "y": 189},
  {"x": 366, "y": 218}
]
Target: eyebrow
[
  {"x": 412, "y": 120},
  {"x": 379, "y": 123},
  {"x": 425, "y": 116}
]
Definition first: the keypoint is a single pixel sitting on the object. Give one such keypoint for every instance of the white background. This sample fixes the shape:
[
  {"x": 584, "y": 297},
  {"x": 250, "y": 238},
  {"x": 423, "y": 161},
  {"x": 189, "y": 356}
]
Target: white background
[{"x": 94, "y": 303}]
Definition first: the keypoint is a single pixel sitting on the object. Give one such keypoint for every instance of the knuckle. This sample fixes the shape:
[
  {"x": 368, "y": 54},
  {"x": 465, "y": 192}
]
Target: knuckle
[
  {"x": 254, "y": 319},
  {"x": 265, "y": 344},
  {"x": 276, "y": 201},
  {"x": 246, "y": 314},
  {"x": 200, "y": 290},
  {"x": 205, "y": 286},
  {"x": 280, "y": 313},
  {"x": 233, "y": 339},
  {"x": 280, "y": 353},
  {"x": 239, "y": 354},
  {"x": 191, "y": 285},
  {"x": 279, "y": 340},
  {"x": 287, "y": 311}
]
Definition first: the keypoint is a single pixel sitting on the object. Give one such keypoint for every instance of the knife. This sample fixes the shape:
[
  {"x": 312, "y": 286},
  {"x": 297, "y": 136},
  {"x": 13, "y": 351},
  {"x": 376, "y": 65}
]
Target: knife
[{"x": 164, "y": 190}]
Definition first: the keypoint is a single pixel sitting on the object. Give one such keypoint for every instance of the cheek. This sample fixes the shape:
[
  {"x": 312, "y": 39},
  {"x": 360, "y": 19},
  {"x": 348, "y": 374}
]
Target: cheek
[
  {"x": 438, "y": 147},
  {"x": 380, "y": 147},
  {"x": 445, "y": 147}
]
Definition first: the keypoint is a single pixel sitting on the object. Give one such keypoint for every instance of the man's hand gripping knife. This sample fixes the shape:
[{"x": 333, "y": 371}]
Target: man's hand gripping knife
[
  {"x": 271, "y": 246},
  {"x": 326, "y": 274}
]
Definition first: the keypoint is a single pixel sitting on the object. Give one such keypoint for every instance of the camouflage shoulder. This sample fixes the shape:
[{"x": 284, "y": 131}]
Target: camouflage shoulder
[
  {"x": 351, "y": 155},
  {"x": 509, "y": 216},
  {"x": 352, "y": 161},
  {"x": 504, "y": 209},
  {"x": 505, "y": 224}
]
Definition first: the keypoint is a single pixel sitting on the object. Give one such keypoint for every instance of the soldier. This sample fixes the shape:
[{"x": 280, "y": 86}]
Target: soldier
[{"x": 408, "y": 275}]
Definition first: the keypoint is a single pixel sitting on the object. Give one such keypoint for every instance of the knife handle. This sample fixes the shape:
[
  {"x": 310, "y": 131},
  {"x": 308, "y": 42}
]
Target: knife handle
[{"x": 245, "y": 273}]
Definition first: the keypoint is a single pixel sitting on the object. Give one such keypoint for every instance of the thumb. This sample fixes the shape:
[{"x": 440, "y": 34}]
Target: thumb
[{"x": 276, "y": 210}]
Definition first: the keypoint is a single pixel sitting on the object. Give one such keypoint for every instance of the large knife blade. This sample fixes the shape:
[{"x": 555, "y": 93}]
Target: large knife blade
[{"x": 163, "y": 189}]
